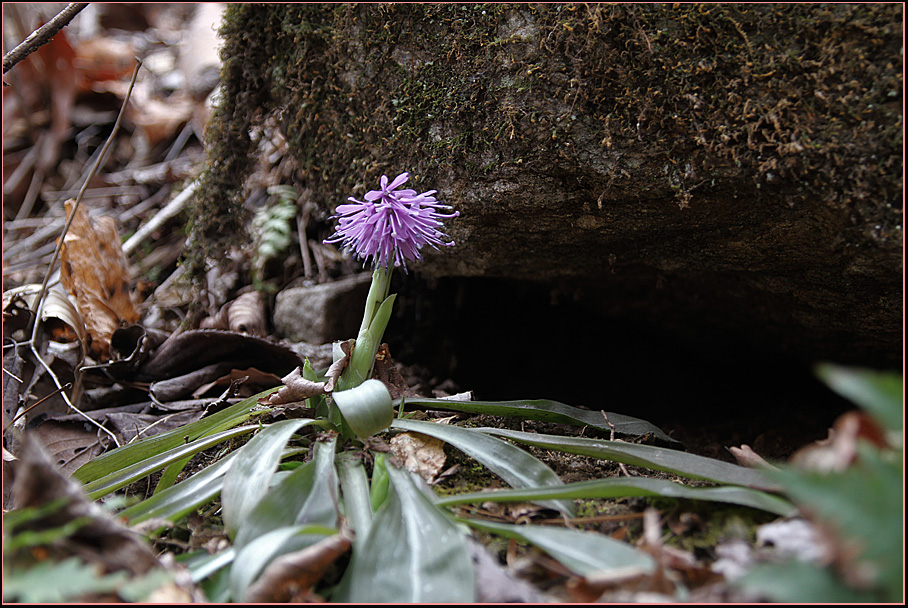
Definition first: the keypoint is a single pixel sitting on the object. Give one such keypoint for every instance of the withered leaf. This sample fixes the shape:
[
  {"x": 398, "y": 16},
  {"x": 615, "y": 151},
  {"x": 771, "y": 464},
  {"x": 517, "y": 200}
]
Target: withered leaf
[
  {"x": 70, "y": 443},
  {"x": 295, "y": 389},
  {"x": 839, "y": 449},
  {"x": 101, "y": 540},
  {"x": 247, "y": 377},
  {"x": 420, "y": 454},
  {"x": 245, "y": 314},
  {"x": 746, "y": 457},
  {"x": 93, "y": 270},
  {"x": 290, "y": 577},
  {"x": 337, "y": 368},
  {"x": 386, "y": 370},
  {"x": 193, "y": 349}
]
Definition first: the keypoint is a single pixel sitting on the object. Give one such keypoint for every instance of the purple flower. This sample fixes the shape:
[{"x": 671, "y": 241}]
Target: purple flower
[{"x": 391, "y": 225}]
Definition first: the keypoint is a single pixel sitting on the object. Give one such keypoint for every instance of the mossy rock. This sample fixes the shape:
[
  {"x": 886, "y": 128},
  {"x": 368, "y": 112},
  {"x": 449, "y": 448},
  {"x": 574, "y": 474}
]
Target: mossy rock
[{"x": 731, "y": 167}]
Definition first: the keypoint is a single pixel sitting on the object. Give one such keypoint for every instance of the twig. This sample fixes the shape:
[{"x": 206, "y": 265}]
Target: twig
[
  {"x": 43, "y": 291},
  {"x": 42, "y": 35},
  {"x": 169, "y": 210},
  {"x": 612, "y": 438},
  {"x": 36, "y": 403}
]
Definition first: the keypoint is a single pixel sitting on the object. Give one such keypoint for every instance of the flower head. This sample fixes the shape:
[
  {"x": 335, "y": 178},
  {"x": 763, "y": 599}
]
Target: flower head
[{"x": 391, "y": 225}]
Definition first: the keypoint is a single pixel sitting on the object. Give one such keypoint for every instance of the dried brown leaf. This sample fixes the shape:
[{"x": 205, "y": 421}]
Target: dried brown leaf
[
  {"x": 290, "y": 577},
  {"x": 839, "y": 449},
  {"x": 295, "y": 389},
  {"x": 337, "y": 368},
  {"x": 93, "y": 270},
  {"x": 101, "y": 59},
  {"x": 70, "y": 444},
  {"x": 420, "y": 454},
  {"x": 248, "y": 377},
  {"x": 245, "y": 314},
  {"x": 746, "y": 457},
  {"x": 386, "y": 370},
  {"x": 101, "y": 540}
]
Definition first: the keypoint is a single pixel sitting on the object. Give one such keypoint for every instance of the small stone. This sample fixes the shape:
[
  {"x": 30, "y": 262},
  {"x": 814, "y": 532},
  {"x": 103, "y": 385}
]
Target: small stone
[{"x": 323, "y": 313}]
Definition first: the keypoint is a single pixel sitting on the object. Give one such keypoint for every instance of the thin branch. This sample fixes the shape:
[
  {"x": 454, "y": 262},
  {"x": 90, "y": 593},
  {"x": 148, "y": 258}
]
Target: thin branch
[
  {"x": 43, "y": 291},
  {"x": 42, "y": 35}
]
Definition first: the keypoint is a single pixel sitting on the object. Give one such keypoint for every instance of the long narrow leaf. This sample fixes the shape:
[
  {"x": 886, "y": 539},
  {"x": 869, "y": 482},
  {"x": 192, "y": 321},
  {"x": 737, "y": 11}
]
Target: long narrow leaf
[
  {"x": 582, "y": 552},
  {"x": 129, "y": 474},
  {"x": 355, "y": 490},
  {"x": 308, "y": 495},
  {"x": 255, "y": 556},
  {"x": 619, "y": 487},
  {"x": 546, "y": 411},
  {"x": 130, "y": 454},
  {"x": 250, "y": 475},
  {"x": 517, "y": 467},
  {"x": 205, "y": 565},
  {"x": 652, "y": 457},
  {"x": 412, "y": 553},
  {"x": 179, "y": 500}
]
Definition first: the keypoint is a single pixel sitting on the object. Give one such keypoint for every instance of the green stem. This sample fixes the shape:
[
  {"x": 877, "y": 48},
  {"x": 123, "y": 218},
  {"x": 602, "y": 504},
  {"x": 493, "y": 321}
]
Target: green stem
[{"x": 375, "y": 319}]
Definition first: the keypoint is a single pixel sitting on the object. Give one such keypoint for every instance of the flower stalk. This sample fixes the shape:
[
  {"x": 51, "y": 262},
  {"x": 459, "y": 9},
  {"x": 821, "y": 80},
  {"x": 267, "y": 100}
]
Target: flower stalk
[{"x": 389, "y": 227}]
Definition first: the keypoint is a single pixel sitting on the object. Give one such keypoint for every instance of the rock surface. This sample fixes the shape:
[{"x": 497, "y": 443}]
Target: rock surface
[
  {"x": 720, "y": 168},
  {"x": 321, "y": 314}
]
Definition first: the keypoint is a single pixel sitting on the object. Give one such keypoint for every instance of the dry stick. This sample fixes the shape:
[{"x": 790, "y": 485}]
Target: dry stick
[
  {"x": 612, "y": 438},
  {"x": 169, "y": 210},
  {"x": 55, "y": 257},
  {"x": 42, "y": 35}
]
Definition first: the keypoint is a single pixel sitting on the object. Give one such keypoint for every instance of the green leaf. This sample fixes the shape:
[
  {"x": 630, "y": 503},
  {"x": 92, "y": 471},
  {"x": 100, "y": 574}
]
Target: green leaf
[
  {"x": 181, "y": 499},
  {"x": 34, "y": 538},
  {"x": 128, "y": 474},
  {"x": 355, "y": 491},
  {"x": 864, "y": 505},
  {"x": 130, "y": 454},
  {"x": 170, "y": 474},
  {"x": 258, "y": 553},
  {"x": 880, "y": 393},
  {"x": 308, "y": 495},
  {"x": 546, "y": 411},
  {"x": 50, "y": 581},
  {"x": 619, "y": 487},
  {"x": 366, "y": 408},
  {"x": 318, "y": 403},
  {"x": 412, "y": 553},
  {"x": 799, "y": 582},
  {"x": 201, "y": 564},
  {"x": 381, "y": 484},
  {"x": 581, "y": 552},
  {"x": 518, "y": 468},
  {"x": 249, "y": 477},
  {"x": 652, "y": 457}
]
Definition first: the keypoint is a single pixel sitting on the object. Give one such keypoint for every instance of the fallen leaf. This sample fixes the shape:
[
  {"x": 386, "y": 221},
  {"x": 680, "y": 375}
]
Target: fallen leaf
[
  {"x": 337, "y": 368},
  {"x": 190, "y": 350},
  {"x": 290, "y": 577},
  {"x": 386, "y": 370},
  {"x": 93, "y": 270},
  {"x": 100, "y": 540},
  {"x": 251, "y": 377},
  {"x": 245, "y": 314},
  {"x": 839, "y": 449},
  {"x": 746, "y": 457},
  {"x": 102, "y": 59},
  {"x": 295, "y": 389},
  {"x": 420, "y": 454},
  {"x": 70, "y": 444}
]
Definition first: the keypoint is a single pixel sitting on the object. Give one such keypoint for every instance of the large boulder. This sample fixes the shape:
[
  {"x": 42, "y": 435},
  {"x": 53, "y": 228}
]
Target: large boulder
[{"x": 734, "y": 168}]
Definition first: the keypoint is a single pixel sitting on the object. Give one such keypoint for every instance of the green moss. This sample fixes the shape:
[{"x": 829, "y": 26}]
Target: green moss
[{"x": 804, "y": 97}]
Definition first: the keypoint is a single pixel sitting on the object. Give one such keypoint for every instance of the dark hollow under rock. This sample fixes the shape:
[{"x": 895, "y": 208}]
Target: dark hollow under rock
[{"x": 706, "y": 169}]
